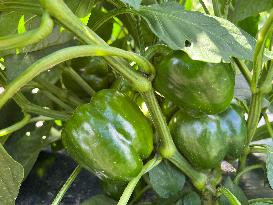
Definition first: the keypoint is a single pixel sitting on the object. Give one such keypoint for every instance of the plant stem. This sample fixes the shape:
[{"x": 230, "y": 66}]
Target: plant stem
[
  {"x": 139, "y": 82},
  {"x": 15, "y": 127},
  {"x": 252, "y": 123},
  {"x": 155, "y": 49},
  {"x": 58, "y": 101},
  {"x": 67, "y": 184},
  {"x": 259, "y": 50},
  {"x": 198, "y": 179},
  {"x": 139, "y": 194},
  {"x": 216, "y": 8},
  {"x": 204, "y": 7},
  {"x": 257, "y": 149},
  {"x": 268, "y": 125},
  {"x": 35, "y": 109},
  {"x": 62, "y": 13},
  {"x": 246, "y": 169},
  {"x": 261, "y": 200},
  {"x": 29, "y": 37},
  {"x": 207, "y": 198},
  {"x": 75, "y": 76},
  {"x": 231, "y": 198},
  {"x": 244, "y": 69},
  {"x": 61, "y": 93},
  {"x": 226, "y": 8},
  {"x": 29, "y": 107},
  {"x": 167, "y": 148},
  {"x": 132, "y": 184}
]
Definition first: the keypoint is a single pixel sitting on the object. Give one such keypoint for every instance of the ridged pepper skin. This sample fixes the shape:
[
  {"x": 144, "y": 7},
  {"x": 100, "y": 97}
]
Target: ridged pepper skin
[
  {"x": 200, "y": 140},
  {"x": 206, "y": 140},
  {"x": 205, "y": 87},
  {"x": 233, "y": 125},
  {"x": 109, "y": 136}
]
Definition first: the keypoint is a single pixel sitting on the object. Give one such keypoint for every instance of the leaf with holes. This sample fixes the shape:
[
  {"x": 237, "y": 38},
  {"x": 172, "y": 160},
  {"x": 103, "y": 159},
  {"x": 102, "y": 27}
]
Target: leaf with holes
[{"x": 203, "y": 37}]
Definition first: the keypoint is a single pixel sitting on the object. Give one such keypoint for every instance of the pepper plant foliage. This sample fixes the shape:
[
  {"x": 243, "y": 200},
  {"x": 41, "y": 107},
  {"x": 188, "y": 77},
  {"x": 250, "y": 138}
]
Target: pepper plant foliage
[{"x": 166, "y": 102}]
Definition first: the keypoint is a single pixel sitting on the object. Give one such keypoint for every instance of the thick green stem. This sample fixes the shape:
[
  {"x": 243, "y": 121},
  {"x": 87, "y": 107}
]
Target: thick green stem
[
  {"x": 259, "y": 50},
  {"x": 29, "y": 37},
  {"x": 155, "y": 49},
  {"x": 62, "y": 13},
  {"x": 252, "y": 123},
  {"x": 167, "y": 148},
  {"x": 75, "y": 76},
  {"x": 198, "y": 179},
  {"x": 67, "y": 184},
  {"x": 15, "y": 127},
  {"x": 132, "y": 184},
  {"x": 208, "y": 198},
  {"x": 247, "y": 169},
  {"x": 254, "y": 116},
  {"x": 62, "y": 55}
]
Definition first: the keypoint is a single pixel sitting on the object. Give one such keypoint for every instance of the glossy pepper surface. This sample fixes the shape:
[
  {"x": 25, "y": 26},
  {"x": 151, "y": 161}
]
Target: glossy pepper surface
[
  {"x": 233, "y": 125},
  {"x": 204, "y": 87},
  {"x": 205, "y": 141},
  {"x": 109, "y": 136},
  {"x": 200, "y": 140}
]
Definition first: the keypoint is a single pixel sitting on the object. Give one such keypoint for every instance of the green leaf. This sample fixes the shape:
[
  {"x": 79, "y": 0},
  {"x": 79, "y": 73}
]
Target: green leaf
[
  {"x": 11, "y": 177},
  {"x": 235, "y": 190},
  {"x": 16, "y": 64},
  {"x": 191, "y": 198},
  {"x": 26, "y": 144},
  {"x": 166, "y": 180},
  {"x": 241, "y": 90},
  {"x": 247, "y": 8},
  {"x": 250, "y": 25},
  {"x": 9, "y": 21},
  {"x": 105, "y": 30},
  {"x": 134, "y": 3},
  {"x": 261, "y": 203},
  {"x": 269, "y": 166},
  {"x": 99, "y": 199},
  {"x": 203, "y": 37}
]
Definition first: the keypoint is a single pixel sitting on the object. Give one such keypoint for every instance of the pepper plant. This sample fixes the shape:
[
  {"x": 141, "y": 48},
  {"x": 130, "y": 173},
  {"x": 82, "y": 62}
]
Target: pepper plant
[{"x": 161, "y": 100}]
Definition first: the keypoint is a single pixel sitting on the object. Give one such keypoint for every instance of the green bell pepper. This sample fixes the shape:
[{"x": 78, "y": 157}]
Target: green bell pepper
[
  {"x": 204, "y": 87},
  {"x": 109, "y": 136}
]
